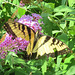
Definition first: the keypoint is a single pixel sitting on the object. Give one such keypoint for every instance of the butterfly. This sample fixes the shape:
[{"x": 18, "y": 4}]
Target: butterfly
[{"x": 40, "y": 44}]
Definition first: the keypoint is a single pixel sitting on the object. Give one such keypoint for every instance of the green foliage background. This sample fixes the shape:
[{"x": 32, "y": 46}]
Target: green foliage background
[{"x": 59, "y": 22}]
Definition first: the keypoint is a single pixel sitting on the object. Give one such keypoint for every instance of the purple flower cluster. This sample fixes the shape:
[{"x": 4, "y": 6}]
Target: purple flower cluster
[
  {"x": 31, "y": 21},
  {"x": 18, "y": 43},
  {"x": 12, "y": 45}
]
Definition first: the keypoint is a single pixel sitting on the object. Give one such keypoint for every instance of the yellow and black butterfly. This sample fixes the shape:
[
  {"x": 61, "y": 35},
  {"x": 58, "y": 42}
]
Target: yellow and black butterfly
[{"x": 40, "y": 44}]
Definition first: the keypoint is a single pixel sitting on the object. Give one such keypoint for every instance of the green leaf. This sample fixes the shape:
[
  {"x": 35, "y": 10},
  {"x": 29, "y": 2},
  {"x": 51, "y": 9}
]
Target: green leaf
[
  {"x": 71, "y": 2},
  {"x": 19, "y": 61},
  {"x": 64, "y": 2},
  {"x": 37, "y": 73},
  {"x": 71, "y": 23},
  {"x": 1, "y": 67},
  {"x": 70, "y": 19},
  {"x": 68, "y": 62},
  {"x": 59, "y": 73},
  {"x": 13, "y": 54},
  {"x": 73, "y": 12},
  {"x": 47, "y": 28},
  {"x": 21, "y": 12},
  {"x": 71, "y": 70},
  {"x": 34, "y": 69},
  {"x": 20, "y": 71},
  {"x": 59, "y": 61},
  {"x": 10, "y": 1},
  {"x": 63, "y": 37},
  {"x": 63, "y": 25},
  {"x": 68, "y": 59},
  {"x": 16, "y": 2},
  {"x": 48, "y": 7},
  {"x": 63, "y": 8},
  {"x": 9, "y": 72},
  {"x": 44, "y": 67},
  {"x": 13, "y": 9},
  {"x": 10, "y": 59},
  {"x": 56, "y": 31},
  {"x": 58, "y": 14},
  {"x": 72, "y": 43},
  {"x": 72, "y": 30}
]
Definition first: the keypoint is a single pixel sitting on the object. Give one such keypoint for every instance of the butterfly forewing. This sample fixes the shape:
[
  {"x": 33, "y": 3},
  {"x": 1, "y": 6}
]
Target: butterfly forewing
[{"x": 18, "y": 30}]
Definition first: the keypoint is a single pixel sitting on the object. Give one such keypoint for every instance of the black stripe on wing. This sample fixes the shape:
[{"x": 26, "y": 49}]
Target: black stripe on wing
[
  {"x": 29, "y": 32},
  {"x": 9, "y": 30}
]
